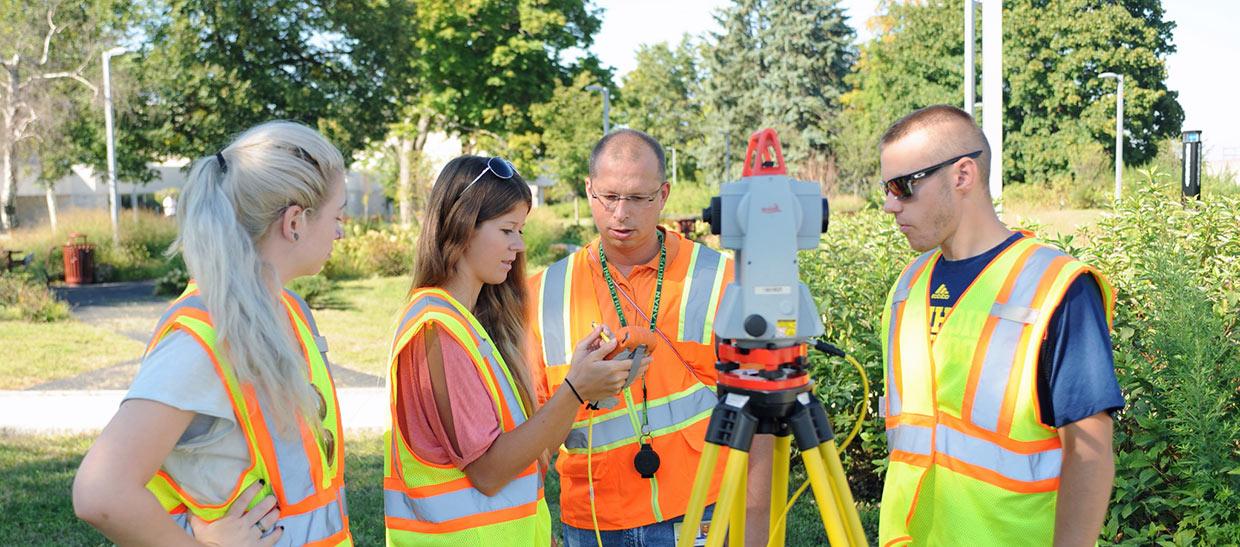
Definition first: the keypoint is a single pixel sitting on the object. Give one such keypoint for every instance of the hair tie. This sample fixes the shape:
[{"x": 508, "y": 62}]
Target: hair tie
[{"x": 219, "y": 156}]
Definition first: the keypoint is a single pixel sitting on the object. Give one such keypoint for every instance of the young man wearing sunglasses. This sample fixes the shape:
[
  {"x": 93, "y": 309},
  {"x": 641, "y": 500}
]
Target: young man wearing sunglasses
[
  {"x": 998, "y": 370},
  {"x": 626, "y": 472}
]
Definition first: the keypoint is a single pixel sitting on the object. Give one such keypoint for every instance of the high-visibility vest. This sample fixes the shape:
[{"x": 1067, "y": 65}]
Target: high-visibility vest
[
  {"x": 426, "y": 503},
  {"x": 971, "y": 462},
  {"x": 679, "y": 405},
  {"x": 305, "y": 473}
]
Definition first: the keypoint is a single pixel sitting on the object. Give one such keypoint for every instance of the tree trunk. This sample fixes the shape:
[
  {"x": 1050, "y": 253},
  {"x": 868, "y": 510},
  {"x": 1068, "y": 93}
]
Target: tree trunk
[
  {"x": 50, "y": 193},
  {"x": 404, "y": 180},
  {"x": 8, "y": 148}
]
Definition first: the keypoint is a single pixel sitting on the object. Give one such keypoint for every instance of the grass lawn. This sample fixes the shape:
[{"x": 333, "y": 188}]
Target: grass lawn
[
  {"x": 36, "y": 508},
  {"x": 39, "y": 352},
  {"x": 360, "y": 332}
]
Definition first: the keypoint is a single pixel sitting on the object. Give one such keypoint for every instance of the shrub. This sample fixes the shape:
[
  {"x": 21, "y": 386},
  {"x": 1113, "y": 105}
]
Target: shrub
[
  {"x": 370, "y": 250},
  {"x": 139, "y": 256},
  {"x": 22, "y": 297},
  {"x": 318, "y": 291},
  {"x": 549, "y": 238}
]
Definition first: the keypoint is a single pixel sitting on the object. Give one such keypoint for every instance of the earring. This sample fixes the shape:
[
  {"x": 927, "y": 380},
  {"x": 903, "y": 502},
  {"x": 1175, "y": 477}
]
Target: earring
[{"x": 296, "y": 236}]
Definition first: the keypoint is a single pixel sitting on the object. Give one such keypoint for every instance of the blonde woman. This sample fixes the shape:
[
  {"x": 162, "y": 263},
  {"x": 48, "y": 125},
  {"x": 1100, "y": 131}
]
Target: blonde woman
[
  {"x": 230, "y": 433},
  {"x": 466, "y": 444}
]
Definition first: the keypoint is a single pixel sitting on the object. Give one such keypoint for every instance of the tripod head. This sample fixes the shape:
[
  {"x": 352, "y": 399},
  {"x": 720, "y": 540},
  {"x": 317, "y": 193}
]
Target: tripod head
[{"x": 767, "y": 315}]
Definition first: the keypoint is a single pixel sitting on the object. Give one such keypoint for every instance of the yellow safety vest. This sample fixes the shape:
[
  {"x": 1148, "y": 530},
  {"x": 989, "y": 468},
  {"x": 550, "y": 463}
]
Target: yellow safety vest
[
  {"x": 306, "y": 473},
  {"x": 432, "y": 504},
  {"x": 970, "y": 461}
]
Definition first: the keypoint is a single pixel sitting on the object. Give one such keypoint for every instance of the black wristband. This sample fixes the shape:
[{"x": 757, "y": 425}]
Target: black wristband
[{"x": 570, "y": 386}]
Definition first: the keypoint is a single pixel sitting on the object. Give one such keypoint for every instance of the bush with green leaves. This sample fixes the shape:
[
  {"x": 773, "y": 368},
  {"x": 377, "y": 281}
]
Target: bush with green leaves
[
  {"x": 23, "y": 297},
  {"x": 318, "y": 291},
  {"x": 371, "y": 249},
  {"x": 1176, "y": 270}
]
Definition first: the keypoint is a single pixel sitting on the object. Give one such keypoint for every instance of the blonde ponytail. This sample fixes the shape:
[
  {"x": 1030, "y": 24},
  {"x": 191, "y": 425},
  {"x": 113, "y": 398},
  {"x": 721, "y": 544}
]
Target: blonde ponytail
[{"x": 229, "y": 202}]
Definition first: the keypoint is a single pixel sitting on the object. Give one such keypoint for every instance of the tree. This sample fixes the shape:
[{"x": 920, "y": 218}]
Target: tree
[
  {"x": 211, "y": 69},
  {"x": 46, "y": 43},
  {"x": 570, "y": 123},
  {"x": 479, "y": 67},
  {"x": 661, "y": 97},
  {"x": 778, "y": 64},
  {"x": 1056, "y": 109}
]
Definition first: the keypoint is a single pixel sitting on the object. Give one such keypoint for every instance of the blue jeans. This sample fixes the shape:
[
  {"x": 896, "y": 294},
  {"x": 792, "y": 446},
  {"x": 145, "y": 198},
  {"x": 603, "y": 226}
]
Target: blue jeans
[{"x": 659, "y": 533}]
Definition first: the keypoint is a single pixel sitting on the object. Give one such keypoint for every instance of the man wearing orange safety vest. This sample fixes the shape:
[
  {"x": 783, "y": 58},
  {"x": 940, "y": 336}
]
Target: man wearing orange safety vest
[
  {"x": 998, "y": 369},
  {"x": 636, "y": 273}
]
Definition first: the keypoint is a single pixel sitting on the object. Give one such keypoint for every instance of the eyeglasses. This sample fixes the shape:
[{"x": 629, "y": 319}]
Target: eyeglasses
[
  {"x": 611, "y": 201},
  {"x": 496, "y": 165},
  {"x": 902, "y": 187}
]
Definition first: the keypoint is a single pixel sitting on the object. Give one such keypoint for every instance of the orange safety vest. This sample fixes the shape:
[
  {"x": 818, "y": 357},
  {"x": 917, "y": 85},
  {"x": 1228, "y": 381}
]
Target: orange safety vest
[
  {"x": 306, "y": 473},
  {"x": 970, "y": 461},
  {"x": 427, "y": 503},
  {"x": 679, "y": 405}
]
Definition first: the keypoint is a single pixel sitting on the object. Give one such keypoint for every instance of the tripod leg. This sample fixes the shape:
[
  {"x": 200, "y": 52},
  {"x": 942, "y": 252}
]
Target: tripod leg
[
  {"x": 837, "y": 531},
  {"x": 736, "y": 528},
  {"x": 779, "y": 487},
  {"x": 843, "y": 495},
  {"x": 697, "y": 497},
  {"x": 729, "y": 493}
]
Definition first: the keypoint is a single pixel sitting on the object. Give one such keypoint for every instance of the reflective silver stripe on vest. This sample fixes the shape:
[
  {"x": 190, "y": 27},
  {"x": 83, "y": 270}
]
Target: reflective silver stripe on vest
[
  {"x": 898, "y": 297},
  {"x": 485, "y": 348},
  {"x": 975, "y": 451},
  {"x": 913, "y": 439},
  {"x": 1001, "y": 348},
  {"x": 554, "y": 330},
  {"x": 460, "y": 503},
  {"x": 294, "y": 467},
  {"x": 702, "y": 290},
  {"x": 983, "y": 453},
  {"x": 619, "y": 427},
  {"x": 315, "y": 525}
]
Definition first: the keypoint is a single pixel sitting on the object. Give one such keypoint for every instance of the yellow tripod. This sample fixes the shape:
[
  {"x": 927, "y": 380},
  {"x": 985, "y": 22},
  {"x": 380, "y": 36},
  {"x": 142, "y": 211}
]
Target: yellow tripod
[{"x": 786, "y": 413}]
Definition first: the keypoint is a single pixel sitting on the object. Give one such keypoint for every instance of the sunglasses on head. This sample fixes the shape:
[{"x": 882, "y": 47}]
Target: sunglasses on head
[
  {"x": 500, "y": 167},
  {"x": 902, "y": 186}
]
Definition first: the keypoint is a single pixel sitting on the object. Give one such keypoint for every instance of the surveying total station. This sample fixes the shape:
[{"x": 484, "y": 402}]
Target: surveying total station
[{"x": 764, "y": 327}]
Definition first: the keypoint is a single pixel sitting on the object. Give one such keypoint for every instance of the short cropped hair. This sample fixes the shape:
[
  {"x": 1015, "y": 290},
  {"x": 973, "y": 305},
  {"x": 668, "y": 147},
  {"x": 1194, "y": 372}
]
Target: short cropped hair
[
  {"x": 963, "y": 138},
  {"x": 604, "y": 143}
]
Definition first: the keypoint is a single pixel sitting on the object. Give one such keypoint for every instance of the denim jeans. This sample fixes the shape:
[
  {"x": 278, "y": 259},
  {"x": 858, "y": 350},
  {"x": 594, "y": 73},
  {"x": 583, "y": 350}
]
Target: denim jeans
[{"x": 657, "y": 534}]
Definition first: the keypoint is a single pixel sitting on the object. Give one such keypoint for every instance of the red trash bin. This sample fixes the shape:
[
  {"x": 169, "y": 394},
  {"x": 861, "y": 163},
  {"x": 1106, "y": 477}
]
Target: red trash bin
[{"x": 79, "y": 259}]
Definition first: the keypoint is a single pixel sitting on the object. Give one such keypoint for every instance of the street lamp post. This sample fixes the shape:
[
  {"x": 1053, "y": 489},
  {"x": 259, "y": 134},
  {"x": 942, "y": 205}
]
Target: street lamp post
[
  {"x": 111, "y": 144},
  {"x": 1119, "y": 131},
  {"x": 606, "y": 105}
]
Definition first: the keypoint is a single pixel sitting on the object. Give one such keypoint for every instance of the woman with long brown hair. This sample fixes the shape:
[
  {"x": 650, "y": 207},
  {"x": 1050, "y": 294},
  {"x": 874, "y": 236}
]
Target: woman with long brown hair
[{"x": 466, "y": 447}]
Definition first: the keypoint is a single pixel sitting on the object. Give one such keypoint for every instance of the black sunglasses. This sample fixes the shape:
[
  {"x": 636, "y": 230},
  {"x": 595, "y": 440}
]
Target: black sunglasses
[
  {"x": 902, "y": 186},
  {"x": 497, "y": 165}
]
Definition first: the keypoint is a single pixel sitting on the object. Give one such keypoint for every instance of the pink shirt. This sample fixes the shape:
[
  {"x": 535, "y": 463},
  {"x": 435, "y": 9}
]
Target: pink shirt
[{"x": 475, "y": 424}]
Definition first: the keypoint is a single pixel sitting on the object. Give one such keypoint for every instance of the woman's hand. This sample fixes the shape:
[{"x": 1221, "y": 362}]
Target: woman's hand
[
  {"x": 593, "y": 377},
  {"x": 241, "y": 527}
]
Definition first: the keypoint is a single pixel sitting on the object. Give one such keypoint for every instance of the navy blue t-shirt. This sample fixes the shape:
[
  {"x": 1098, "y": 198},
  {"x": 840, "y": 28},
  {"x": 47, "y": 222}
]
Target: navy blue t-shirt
[{"x": 1076, "y": 370}]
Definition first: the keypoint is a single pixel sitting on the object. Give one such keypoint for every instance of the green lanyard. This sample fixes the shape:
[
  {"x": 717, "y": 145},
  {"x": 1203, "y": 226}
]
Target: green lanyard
[{"x": 654, "y": 312}]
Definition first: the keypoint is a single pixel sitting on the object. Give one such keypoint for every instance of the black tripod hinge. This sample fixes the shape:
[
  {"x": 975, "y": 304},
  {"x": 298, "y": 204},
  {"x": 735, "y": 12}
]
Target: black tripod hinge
[
  {"x": 810, "y": 426},
  {"x": 731, "y": 425}
]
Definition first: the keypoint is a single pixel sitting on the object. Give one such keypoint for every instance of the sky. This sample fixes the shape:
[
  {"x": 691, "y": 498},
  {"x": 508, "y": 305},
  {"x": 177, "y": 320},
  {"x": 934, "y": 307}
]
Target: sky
[{"x": 1200, "y": 70}]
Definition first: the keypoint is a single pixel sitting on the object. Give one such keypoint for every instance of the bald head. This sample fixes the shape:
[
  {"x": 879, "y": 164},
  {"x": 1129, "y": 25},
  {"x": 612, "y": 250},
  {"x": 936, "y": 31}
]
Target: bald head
[
  {"x": 628, "y": 145},
  {"x": 953, "y": 133}
]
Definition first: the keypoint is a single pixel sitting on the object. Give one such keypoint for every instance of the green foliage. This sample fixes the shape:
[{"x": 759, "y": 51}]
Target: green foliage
[
  {"x": 570, "y": 122},
  {"x": 318, "y": 291},
  {"x": 1058, "y": 115},
  {"x": 549, "y": 238},
  {"x": 174, "y": 281},
  {"x": 22, "y": 297},
  {"x": 1177, "y": 272},
  {"x": 370, "y": 250},
  {"x": 662, "y": 98},
  {"x": 776, "y": 64},
  {"x": 849, "y": 276}
]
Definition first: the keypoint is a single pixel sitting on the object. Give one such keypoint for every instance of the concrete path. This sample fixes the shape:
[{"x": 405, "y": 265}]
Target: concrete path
[
  {"x": 87, "y": 402},
  {"x": 53, "y": 412}
]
